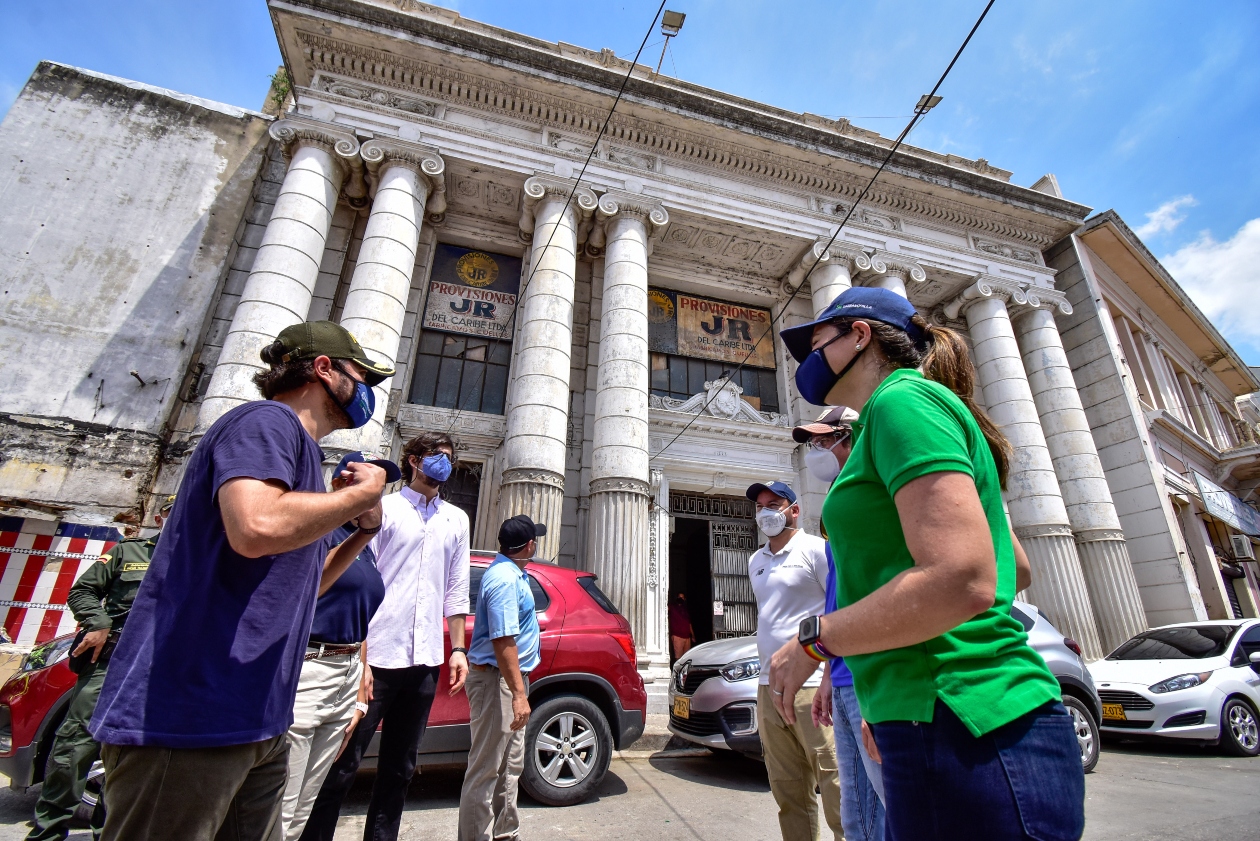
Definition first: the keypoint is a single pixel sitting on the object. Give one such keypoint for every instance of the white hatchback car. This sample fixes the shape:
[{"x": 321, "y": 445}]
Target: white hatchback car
[{"x": 1196, "y": 681}]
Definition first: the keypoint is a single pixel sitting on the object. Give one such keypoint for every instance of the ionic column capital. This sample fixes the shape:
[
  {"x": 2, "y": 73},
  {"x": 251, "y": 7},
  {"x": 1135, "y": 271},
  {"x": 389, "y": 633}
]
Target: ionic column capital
[
  {"x": 542, "y": 186},
  {"x": 294, "y": 132},
  {"x": 847, "y": 254},
  {"x": 1039, "y": 297},
  {"x": 613, "y": 204},
  {"x": 885, "y": 262},
  {"x": 425, "y": 161},
  {"x": 985, "y": 287}
]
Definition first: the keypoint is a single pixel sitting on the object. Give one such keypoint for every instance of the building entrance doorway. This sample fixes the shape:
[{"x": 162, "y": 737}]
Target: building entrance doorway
[
  {"x": 463, "y": 489},
  {"x": 712, "y": 540}
]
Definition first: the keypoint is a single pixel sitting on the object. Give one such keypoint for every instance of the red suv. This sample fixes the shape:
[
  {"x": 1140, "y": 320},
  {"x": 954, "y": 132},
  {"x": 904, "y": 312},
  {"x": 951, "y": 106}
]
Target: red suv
[{"x": 587, "y": 696}]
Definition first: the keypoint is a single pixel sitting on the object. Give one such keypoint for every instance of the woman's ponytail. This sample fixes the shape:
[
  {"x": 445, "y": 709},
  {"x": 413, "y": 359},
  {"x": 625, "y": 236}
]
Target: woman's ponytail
[{"x": 948, "y": 362}]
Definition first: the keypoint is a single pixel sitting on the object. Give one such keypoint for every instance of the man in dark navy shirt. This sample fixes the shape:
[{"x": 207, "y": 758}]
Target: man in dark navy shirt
[{"x": 193, "y": 713}]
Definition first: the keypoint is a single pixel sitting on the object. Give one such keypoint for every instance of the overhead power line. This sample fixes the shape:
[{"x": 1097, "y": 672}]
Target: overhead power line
[{"x": 926, "y": 103}]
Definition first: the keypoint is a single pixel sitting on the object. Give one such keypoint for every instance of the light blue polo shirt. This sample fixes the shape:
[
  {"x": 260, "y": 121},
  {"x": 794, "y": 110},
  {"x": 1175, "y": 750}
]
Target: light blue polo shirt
[{"x": 505, "y": 608}]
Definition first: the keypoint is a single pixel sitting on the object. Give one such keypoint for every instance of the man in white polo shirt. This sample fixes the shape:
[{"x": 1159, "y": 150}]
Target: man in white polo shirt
[{"x": 789, "y": 578}]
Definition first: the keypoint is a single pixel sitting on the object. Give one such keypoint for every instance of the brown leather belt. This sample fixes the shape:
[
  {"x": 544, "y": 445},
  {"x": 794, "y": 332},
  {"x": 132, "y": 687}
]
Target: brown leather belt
[
  {"x": 482, "y": 668},
  {"x": 323, "y": 649}
]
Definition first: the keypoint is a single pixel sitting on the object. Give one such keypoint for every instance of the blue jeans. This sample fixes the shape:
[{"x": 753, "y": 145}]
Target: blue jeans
[
  {"x": 861, "y": 785},
  {"x": 1021, "y": 782}
]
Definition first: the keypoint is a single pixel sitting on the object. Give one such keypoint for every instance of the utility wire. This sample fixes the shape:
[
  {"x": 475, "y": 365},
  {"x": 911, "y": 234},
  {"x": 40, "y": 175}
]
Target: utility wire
[
  {"x": 925, "y": 104},
  {"x": 508, "y": 328}
]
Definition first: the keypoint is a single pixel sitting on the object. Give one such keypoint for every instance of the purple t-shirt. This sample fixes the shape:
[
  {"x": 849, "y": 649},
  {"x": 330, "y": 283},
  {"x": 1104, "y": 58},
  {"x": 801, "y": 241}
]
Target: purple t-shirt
[{"x": 213, "y": 646}]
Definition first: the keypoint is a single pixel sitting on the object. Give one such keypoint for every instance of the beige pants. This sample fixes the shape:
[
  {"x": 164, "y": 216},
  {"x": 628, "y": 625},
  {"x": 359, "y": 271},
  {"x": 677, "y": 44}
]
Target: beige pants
[
  {"x": 487, "y": 802},
  {"x": 324, "y": 706},
  {"x": 799, "y": 758}
]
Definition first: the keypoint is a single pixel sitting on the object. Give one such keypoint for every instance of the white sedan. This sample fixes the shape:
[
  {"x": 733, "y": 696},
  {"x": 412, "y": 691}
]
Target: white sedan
[{"x": 1197, "y": 681}]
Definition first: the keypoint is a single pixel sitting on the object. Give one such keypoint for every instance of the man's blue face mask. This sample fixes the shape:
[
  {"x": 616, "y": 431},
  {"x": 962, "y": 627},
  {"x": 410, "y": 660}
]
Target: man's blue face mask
[
  {"x": 437, "y": 467},
  {"x": 361, "y": 405}
]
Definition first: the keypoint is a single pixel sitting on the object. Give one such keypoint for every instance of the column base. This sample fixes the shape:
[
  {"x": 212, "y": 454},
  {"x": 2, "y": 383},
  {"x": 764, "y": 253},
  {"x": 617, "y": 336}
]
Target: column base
[
  {"x": 1113, "y": 590},
  {"x": 617, "y": 551},
  {"x": 538, "y": 494},
  {"x": 1058, "y": 586},
  {"x": 654, "y": 669}
]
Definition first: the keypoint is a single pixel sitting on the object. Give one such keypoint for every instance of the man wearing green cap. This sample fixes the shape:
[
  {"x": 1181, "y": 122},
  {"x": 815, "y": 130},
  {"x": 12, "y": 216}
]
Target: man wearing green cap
[
  {"x": 193, "y": 713},
  {"x": 100, "y": 600}
]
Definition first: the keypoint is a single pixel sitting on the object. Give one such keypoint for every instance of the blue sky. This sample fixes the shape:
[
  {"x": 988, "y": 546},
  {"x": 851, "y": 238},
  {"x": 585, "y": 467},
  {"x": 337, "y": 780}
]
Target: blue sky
[{"x": 1150, "y": 107}]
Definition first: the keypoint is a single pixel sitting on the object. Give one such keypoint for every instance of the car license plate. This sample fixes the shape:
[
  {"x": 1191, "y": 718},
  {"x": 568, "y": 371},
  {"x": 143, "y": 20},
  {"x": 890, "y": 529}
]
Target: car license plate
[
  {"x": 1114, "y": 711},
  {"x": 682, "y": 707}
]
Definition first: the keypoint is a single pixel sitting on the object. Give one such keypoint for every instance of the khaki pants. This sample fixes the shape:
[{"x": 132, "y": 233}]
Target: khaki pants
[
  {"x": 323, "y": 707},
  {"x": 799, "y": 758},
  {"x": 487, "y": 803},
  {"x": 195, "y": 794}
]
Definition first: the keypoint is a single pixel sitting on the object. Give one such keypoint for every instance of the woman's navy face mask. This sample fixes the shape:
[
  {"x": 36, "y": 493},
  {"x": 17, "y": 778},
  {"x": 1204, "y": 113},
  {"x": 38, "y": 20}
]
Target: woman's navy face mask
[{"x": 814, "y": 377}]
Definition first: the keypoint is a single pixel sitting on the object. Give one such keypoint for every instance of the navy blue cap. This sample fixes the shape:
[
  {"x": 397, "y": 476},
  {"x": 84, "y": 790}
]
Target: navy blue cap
[
  {"x": 871, "y": 303},
  {"x": 779, "y": 489},
  {"x": 392, "y": 473}
]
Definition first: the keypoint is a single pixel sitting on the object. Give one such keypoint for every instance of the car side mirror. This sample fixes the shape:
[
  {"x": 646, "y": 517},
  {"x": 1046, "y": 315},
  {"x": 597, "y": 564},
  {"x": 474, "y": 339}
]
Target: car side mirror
[{"x": 1255, "y": 660}]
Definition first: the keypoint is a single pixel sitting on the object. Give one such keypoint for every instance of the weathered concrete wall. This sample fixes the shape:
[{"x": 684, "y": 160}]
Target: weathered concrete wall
[{"x": 119, "y": 208}]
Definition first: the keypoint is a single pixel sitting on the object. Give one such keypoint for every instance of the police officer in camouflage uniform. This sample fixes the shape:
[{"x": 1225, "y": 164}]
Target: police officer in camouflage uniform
[{"x": 100, "y": 601}]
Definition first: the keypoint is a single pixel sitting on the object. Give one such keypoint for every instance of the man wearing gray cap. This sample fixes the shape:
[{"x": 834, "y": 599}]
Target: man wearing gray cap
[
  {"x": 505, "y": 649},
  {"x": 789, "y": 576}
]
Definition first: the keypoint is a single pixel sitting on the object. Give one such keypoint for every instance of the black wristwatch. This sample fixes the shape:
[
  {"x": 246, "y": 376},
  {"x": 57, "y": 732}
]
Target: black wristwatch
[
  {"x": 461, "y": 650},
  {"x": 809, "y": 638}
]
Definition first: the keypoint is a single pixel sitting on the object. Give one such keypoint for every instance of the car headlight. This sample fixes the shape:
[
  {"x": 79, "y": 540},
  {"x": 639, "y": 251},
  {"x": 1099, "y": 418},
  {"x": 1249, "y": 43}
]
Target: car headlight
[
  {"x": 1180, "y": 682},
  {"x": 741, "y": 669},
  {"x": 48, "y": 654}
]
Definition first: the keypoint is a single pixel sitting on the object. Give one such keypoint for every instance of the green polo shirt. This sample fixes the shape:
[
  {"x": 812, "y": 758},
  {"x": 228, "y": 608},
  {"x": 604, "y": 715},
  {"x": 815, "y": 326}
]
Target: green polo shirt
[{"x": 983, "y": 669}]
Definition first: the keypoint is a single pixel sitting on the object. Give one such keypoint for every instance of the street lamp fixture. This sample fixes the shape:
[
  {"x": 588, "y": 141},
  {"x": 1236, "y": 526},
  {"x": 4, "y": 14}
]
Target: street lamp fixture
[{"x": 671, "y": 24}]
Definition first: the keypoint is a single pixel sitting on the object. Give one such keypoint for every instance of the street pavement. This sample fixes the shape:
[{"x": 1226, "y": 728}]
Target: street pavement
[{"x": 1137, "y": 792}]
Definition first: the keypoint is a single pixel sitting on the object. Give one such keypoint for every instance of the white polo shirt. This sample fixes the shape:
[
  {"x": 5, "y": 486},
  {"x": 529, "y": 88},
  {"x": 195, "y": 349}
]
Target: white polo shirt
[
  {"x": 422, "y": 554},
  {"x": 790, "y": 585}
]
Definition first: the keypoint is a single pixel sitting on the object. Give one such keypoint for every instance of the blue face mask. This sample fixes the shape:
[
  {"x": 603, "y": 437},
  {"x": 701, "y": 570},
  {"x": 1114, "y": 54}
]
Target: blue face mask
[
  {"x": 437, "y": 467},
  {"x": 815, "y": 379},
  {"x": 362, "y": 402}
]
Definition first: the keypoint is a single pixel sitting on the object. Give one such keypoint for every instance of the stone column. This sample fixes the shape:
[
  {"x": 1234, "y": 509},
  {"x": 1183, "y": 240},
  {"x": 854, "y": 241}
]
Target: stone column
[
  {"x": 1104, "y": 557},
  {"x": 617, "y": 530},
  {"x": 892, "y": 272},
  {"x": 278, "y": 290},
  {"x": 833, "y": 274},
  {"x": 538, "y": 398},
  {"x": 405, "y": 174},
  {"x": 1038, "y": 513}
]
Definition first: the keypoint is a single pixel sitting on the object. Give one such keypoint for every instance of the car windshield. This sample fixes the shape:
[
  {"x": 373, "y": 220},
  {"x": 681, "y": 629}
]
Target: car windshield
[{"x": 1189, "y": 642}]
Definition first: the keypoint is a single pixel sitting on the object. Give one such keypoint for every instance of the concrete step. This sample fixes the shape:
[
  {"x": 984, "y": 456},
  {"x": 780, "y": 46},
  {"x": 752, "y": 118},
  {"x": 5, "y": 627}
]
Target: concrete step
[{"x": 655, "y": 736}]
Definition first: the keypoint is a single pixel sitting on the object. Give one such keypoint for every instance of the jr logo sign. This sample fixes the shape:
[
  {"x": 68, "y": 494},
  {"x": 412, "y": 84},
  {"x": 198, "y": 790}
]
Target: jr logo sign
[{"x": 472, "y": 292}]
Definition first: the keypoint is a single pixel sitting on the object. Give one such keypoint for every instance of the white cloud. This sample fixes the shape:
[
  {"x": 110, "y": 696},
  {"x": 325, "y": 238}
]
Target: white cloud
[
  {"x": 1165, "y": 218},
  {"x": 1223, "y": 278}
]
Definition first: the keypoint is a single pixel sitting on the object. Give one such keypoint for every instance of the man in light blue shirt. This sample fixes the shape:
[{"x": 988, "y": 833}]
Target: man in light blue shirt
[{"x": 505, "y": 648}]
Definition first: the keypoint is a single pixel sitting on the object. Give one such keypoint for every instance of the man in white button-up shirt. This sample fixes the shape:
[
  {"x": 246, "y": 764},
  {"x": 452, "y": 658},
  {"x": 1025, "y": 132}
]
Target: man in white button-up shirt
[
  {"x": 789, "y": 578},
  {"x": 422, "y": 554}
]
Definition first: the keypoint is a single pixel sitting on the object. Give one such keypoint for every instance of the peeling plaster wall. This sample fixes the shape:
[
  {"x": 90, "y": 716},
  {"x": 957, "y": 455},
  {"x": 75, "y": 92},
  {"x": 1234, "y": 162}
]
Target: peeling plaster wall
[{"x": 119, "y": 207}]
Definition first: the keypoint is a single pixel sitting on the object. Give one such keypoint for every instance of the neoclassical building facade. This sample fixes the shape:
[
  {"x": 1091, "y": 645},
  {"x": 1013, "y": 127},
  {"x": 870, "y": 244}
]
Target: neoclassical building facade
[{"x": 583, "y": 339}]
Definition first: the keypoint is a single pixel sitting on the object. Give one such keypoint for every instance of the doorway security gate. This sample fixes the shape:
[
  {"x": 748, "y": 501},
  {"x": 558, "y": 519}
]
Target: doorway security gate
[{"x": 732, "y": 540}]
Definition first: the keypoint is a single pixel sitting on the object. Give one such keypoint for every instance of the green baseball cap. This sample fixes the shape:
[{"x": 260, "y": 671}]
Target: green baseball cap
[{"x": 327, "y": 338}]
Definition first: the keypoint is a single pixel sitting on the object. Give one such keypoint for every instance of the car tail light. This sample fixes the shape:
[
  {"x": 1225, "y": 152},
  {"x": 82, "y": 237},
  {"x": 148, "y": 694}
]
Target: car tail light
[
  {"x": 627, "y": 645},
  {"x": 1073, "y": 645}
]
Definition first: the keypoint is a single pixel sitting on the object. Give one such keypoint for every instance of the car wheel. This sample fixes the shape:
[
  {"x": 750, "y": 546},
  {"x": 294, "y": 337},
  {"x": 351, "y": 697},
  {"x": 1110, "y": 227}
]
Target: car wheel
[
  {"x": 1240, "y": 734},
  {"x": 1087, "y": 735},
  {"x": 568, "y": 746}
]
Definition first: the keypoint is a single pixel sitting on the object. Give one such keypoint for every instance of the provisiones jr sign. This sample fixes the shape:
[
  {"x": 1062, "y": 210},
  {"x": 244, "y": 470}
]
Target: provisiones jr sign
[
  {"x": 702, "y": 328},
  {"x": 472, "y": 292}
]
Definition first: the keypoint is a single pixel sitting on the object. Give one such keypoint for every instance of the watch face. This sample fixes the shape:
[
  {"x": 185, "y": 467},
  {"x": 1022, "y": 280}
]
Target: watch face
[{"x": 809, "y": 632}]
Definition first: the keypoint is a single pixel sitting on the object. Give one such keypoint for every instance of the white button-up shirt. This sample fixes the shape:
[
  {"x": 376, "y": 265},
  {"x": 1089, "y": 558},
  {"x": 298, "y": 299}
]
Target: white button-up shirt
[
  {"x": 422, "y": 554},
  {"x": 790, "y": 585}
]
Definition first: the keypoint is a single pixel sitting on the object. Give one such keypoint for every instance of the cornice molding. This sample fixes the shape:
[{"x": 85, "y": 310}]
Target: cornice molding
[{"x": 454, "y": 86}]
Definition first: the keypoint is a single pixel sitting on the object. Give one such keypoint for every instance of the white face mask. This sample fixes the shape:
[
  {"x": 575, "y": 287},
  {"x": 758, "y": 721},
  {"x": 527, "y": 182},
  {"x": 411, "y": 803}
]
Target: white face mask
[
  {"x": 771, "y": 522},
  {"x": 822, "y": 465}
]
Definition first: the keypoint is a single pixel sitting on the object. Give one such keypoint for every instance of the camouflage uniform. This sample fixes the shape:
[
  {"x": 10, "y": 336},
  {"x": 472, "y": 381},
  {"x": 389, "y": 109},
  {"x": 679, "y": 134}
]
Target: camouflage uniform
[{"x": 100, "y": 599}]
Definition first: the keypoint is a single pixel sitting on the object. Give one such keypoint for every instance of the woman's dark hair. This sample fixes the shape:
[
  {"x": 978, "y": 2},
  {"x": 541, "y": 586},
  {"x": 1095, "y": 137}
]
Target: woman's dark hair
[
  {"x": 424, "y": 444},
  {"x": 280, "y": 376},
  {"x": 943, "y": 356}
]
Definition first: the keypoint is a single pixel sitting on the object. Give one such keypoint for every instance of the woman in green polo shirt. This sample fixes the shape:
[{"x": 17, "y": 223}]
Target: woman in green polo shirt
[{"x": 967, "y": 718}]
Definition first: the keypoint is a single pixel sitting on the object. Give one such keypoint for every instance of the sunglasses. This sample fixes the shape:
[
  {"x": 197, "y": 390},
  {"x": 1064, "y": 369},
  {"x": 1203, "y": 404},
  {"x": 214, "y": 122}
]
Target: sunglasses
[{"x": 831, "y": 439}]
